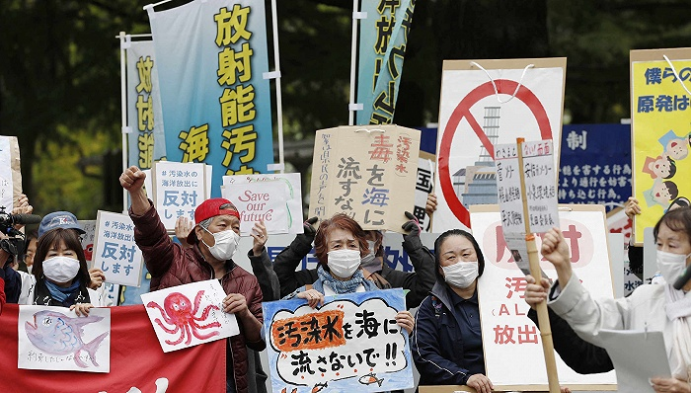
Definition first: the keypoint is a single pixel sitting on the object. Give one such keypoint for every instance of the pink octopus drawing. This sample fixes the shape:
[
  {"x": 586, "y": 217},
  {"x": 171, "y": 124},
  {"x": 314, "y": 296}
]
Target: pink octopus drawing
[{"x": 177, "y": 311}]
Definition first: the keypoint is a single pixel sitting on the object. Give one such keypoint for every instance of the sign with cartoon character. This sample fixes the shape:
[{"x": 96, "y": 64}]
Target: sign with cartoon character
[
  {"x": 55, "y": 338},
  {"x": 350, "y": 344},
  {"x": 660, "y": 133},
  {"x": 189, "y": 315}
]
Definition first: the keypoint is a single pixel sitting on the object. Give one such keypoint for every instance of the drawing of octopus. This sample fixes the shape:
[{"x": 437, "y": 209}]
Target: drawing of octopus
[{"x": 177, "y": 311}]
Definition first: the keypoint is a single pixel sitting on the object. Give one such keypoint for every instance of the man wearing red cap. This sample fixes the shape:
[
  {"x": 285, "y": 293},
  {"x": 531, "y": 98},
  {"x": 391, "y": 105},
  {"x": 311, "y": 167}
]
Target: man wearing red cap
[{"x": 215, "y": 239}]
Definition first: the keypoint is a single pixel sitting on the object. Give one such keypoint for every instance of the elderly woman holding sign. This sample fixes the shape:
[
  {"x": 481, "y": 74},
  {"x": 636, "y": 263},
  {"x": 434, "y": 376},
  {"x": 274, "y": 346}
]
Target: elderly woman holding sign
[
  {"x": 447, "y": 345},
  {"x": 652, "y": 307},
  {"x": 340, "y": 243}
]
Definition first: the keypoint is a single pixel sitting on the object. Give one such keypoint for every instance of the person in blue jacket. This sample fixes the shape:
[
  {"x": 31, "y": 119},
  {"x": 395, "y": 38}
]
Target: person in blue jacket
[{"x": 446, "y": 343}]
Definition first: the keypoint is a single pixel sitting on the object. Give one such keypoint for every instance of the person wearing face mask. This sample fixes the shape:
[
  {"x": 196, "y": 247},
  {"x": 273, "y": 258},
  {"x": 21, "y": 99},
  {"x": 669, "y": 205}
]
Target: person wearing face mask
[
  {"x": 419, "y": 282},
  {"x": 340, "y": 244},
  {"x": 62, "y": 274},
  {"x": 654, "y": 307},
  {"x": 446, "y": 343},
  {"x": 214, "y": 241}
]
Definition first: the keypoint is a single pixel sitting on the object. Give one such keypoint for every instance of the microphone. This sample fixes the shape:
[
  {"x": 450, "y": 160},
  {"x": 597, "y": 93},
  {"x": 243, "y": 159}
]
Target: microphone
[
  {"x": 8, "y": 219},
  {"x": 682, "y": 279}
]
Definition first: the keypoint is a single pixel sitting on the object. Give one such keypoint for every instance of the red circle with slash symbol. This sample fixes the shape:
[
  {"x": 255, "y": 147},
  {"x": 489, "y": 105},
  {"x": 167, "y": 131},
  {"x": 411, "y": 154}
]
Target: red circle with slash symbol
[{"x": 463, "y": 111}]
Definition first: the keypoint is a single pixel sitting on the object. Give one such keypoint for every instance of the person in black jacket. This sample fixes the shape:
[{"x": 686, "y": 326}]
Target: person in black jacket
[{"x": 418, "y": 283}]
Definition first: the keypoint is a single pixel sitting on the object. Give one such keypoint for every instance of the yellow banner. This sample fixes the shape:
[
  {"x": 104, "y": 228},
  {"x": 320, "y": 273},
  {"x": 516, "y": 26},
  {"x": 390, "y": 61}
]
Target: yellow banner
[{"x": 661, "y": 138}]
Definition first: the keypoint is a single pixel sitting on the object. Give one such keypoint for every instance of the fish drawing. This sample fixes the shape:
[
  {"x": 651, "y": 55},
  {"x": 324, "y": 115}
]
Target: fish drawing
[
  {"x": 370, "y": 379},
  {"x": 319, "y": 387},
  {"x": 55, "y": 333}
]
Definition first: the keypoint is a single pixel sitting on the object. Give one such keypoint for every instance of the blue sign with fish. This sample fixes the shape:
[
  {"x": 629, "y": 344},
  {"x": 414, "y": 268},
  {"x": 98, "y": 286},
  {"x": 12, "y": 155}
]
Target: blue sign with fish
[
  {"x": 351, "y": 343},
  {"x": 54, "y": 338}
]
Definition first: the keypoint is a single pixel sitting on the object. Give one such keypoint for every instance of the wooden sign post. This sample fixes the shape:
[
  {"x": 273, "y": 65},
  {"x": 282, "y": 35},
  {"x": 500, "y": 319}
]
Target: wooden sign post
[{"x": 534, "y": 266}]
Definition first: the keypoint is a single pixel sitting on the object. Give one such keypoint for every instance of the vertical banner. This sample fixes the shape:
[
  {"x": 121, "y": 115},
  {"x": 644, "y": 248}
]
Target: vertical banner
[
  {"x": 511, "y": 341},
  {"x": 660, "y": 133},
  {"x": 596, "y": 164},
  {"x": 216, "y": 105},
  {"x": 368, "y": 174},
  {"x": 350, "y": 344},
  {"x": 483, "y": 103},
  {"x": 383, "y": 38},
  {"x": 146, "y": 141}
]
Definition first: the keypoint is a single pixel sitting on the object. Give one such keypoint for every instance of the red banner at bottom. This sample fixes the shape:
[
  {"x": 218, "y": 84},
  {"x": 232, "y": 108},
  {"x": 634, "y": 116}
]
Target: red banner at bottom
[{"x": 137, "y": 361}]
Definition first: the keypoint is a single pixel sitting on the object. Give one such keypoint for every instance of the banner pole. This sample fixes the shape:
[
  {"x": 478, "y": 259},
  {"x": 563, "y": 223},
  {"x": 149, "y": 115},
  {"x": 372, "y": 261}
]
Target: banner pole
[
  {"x": 123, "y": 104},
  {"x": 279, "y": 104},
  {"x": 354, "y": 46},
  {"x": 535, "y": 267}
]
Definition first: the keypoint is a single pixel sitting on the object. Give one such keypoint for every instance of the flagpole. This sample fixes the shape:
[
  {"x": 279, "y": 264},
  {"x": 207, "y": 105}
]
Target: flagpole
[
  {"x": 123, "y": 104},
  {"x": 279, "y": 105},
  {"x": 354, "y": 45}
]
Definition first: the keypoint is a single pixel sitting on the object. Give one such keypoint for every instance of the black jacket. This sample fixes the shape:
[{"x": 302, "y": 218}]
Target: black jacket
[
  {"x": 419, "y": 283},
  {"x": 583, "y": 357}
]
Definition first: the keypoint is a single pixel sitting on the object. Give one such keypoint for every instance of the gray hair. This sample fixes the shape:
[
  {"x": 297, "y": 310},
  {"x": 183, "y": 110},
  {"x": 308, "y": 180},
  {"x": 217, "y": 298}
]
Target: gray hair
[{"x": 205, "y": 223}]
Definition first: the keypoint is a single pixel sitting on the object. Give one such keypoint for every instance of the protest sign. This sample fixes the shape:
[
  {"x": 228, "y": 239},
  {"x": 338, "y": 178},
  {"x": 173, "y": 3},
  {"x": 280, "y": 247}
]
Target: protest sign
[
  {"x": 483, "y": 103},
  {"x": 188, "y": 315},
  {"x": 367, "y": 173},
  {"x": 596, "y": 164},
  {"x": 137, "y": 363},
  {"x": 424, "y": 186},
  {"x": 291, "y": 193},
  {"x": 212, "y": 60},
  {"x": 350, "y": 344},
  {"x": 6, "y": 184},
  {"x": 660, "y": 133},
  {"x": 146, "y": 139},
  {"x": 508, "y": 334},
  {"x": 55, "y": 338},
  {"x": 115, "y": 250},
  {"x": 178, "y": 188},
  {"x": 259, "y": 202},
  {"x": 89, "y": 226}
]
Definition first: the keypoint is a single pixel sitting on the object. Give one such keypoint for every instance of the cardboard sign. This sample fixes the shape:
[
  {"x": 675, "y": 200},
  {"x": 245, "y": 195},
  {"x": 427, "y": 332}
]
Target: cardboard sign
[
  {"x": 54, "y": 338},
  {"x": 424, "y": 186},
  {"x": 178, "y": 189},
  {"x": 660, "y": 133},
  {"x": 259, "y": 201},
  {"x": 115, "y": 250},
  {"x": 350, "y": 344},
  {"x": 481, "y": 107},
  {"x": 189, "y": 315},
  {"x": 291, "y": 193},
  {"x": 508, "y": 334},
  {"x": 366, "y": 173}
]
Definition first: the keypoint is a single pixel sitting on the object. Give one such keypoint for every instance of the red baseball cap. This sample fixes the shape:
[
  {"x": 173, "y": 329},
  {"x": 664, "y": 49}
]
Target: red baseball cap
[{"x": 209, "y": 209}]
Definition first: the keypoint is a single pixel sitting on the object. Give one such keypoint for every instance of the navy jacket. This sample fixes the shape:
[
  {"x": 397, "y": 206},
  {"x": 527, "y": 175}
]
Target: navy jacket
[{"x": 437, "y": 342}]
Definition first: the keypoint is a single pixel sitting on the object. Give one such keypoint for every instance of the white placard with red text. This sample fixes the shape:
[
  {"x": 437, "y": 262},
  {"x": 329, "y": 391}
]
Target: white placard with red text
[{"x": 511, "y": 342}]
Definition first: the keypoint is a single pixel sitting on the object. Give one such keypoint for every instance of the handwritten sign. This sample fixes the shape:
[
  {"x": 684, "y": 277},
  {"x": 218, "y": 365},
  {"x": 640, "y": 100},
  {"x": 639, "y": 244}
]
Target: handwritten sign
[
  {"x": 115, "y": 250},
  {"x": 424, "y": 186},
  {"x": 189, "y": 315},
  {"x": 6, "y": 186},
  {"x": 259, "y": 201},
  {"x": 292, "y": 193},
  {"x": 367, "y": 173},
  {"x": 541, "y": 189},
  {"x": 350, "y": 344},
  {"x": 54, "y": 338},
  {"x": 508, "y": 334},
  {"x": 178, "y": 189}
]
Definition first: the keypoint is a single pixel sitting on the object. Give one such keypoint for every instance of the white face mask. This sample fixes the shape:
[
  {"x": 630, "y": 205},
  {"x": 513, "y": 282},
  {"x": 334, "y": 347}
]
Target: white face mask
[
  {"x": 60, "y": 269},
  {"x": 343, "y": 262},
  {"x": 462, "y": 274},
  {"x": 671, "y": 265},
  {"x": 225, "y": 244}
]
